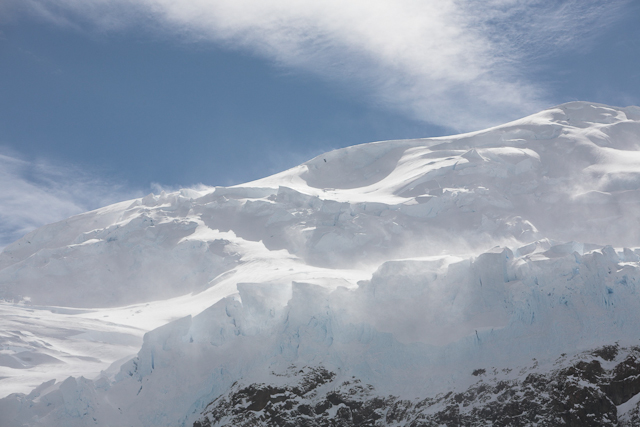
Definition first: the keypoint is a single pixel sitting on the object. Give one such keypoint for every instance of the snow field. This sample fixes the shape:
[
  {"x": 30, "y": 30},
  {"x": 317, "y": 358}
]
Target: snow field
[{"x": 407, "y": 264}]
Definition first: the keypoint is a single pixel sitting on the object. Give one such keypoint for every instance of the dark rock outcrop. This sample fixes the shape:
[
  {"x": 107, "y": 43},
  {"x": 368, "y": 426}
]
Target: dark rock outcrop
[{"x": 581, "y": 392}]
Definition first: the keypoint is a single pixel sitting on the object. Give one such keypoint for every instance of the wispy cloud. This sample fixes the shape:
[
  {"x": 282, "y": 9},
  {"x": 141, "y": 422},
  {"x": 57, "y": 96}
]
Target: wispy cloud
[
  {"x": 35, "y": 193},
  {"x": 455, "y": 63},
  {"x": 534, "y": 29}
]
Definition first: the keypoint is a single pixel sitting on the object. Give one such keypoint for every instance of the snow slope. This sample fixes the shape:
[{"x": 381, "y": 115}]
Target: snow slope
[{"x": 406, "y": 264}]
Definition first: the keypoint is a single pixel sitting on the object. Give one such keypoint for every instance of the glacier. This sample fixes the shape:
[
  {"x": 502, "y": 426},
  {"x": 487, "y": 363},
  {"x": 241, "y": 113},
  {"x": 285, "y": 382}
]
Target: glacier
[{"x": 407, "y": 267}]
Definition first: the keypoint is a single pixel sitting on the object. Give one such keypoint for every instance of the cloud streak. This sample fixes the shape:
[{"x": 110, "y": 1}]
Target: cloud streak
[
  {"x": 35, "y": 193},
  {"x": 461, "y": 64}
]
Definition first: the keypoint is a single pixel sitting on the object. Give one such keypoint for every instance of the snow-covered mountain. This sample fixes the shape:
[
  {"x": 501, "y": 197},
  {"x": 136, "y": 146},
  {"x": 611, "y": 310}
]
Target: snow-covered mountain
[{"x": 490, "y": 277}]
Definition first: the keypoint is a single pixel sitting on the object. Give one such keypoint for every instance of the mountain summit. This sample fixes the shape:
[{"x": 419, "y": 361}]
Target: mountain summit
[{"x": 490, "y": 277}]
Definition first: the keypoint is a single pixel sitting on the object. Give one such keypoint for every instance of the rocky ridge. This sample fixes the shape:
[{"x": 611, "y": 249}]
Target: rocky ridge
[{"x": 588, "y": 390}]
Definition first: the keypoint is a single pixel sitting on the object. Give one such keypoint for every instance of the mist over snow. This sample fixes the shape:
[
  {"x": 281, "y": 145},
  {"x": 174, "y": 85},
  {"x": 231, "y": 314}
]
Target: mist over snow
[
  {"x": 37, "y": 192},
  {"x": 368, "y": 277}
]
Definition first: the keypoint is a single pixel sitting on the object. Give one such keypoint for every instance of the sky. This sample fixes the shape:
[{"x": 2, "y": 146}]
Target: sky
[{"x": 108, "y": 100}]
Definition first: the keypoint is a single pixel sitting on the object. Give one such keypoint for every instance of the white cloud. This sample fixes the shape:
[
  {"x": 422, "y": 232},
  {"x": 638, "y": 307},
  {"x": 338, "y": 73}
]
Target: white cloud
[
  {"x": 35, "y": 193},
  {"x": 455, "y": 63}
]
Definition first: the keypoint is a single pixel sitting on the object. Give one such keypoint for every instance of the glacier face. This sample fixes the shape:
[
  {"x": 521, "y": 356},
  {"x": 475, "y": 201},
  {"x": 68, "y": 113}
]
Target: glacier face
[{"x": 406, "y": 265}]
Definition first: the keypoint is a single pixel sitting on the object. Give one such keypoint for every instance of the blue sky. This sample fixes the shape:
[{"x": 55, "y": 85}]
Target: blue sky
[{"x": 111, "y": 99}]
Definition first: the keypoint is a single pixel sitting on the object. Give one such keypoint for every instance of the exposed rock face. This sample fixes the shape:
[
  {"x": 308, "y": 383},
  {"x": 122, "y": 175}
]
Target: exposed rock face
[{"x": 580, "y": 392}]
